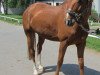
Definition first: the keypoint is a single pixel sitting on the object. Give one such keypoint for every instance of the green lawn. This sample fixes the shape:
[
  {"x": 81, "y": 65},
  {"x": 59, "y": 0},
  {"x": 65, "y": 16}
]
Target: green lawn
[
  {"x": 13, "y": 16},
  {"x": 93, "y": 43},
  {"x": 95, "y": 24},
  {"x": 19, "y": 17}
]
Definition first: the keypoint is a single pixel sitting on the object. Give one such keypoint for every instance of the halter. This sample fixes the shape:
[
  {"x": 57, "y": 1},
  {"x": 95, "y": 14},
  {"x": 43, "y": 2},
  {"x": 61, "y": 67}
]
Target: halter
[{"x": 76, "y": 18}]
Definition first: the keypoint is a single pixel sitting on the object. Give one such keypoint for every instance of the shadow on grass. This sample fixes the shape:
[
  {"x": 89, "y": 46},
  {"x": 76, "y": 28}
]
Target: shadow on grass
[{"x": 71, "y": 69}]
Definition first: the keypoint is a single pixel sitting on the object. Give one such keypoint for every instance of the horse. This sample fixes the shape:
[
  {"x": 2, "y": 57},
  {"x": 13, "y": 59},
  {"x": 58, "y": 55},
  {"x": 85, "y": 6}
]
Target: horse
[{"x": 66, "y": 23}]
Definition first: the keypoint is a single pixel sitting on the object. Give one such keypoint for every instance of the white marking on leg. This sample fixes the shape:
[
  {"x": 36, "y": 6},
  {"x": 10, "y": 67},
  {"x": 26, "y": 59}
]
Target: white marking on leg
[
  {"x": 39, "y": 59},
  {"x": 35, "y": 72},
  {"x": 40, "y": 67}
]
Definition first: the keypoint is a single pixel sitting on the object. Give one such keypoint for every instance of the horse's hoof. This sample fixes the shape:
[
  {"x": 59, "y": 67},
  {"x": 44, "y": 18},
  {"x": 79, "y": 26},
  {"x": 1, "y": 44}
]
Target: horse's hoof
[
  {"x": 35, "y": 72},
  {"x": 40, "y": 69}
]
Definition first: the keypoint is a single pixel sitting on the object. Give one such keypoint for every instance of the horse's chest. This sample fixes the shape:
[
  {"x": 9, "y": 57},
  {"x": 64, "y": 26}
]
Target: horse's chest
[{"x": 77, "y": 38}]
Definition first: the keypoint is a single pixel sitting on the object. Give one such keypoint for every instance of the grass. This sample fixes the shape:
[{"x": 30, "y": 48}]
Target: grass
[
  {"x": 13, "y": 16},
  {"x": 95, "y": 24},
  {"x": 19, "y": 17},
  {"x": 93, "y": 43}
]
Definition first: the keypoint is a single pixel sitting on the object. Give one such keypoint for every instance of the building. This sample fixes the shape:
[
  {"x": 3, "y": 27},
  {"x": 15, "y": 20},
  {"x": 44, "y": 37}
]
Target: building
[
  {"x": 96, "y": 5},
  {"x": 51, "y": 2}
]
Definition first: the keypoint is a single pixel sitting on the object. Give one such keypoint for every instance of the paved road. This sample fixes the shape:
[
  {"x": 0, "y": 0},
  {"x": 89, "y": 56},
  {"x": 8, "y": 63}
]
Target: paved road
[{"x": 14, "y": 61}]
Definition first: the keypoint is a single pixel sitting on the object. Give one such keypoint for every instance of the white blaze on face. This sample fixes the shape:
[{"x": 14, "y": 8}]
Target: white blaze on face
[{"x": 67, "y": 14}]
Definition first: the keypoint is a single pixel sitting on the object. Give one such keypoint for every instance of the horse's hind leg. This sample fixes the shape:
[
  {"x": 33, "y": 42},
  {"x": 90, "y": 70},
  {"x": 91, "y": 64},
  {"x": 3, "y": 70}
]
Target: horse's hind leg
[
  {"x": 39, "y": 49},
  {"x": 80, "y": 53},
  {"x": 30, "y": 41}
]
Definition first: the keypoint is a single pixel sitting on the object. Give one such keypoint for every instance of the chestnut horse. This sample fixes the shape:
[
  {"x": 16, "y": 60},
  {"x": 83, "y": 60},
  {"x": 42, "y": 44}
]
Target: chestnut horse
[{"x": 66, "y": 23}]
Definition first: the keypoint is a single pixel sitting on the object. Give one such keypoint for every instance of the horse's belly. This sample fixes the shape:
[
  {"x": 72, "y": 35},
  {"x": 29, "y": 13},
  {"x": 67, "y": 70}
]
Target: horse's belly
[
  {"x": 51, "y": 38},
  {"x": 49, "y": 34}
]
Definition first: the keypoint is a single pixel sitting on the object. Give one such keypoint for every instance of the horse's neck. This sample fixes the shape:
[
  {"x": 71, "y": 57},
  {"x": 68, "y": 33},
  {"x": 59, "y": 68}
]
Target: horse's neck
[{"x": 66, "y": 3}]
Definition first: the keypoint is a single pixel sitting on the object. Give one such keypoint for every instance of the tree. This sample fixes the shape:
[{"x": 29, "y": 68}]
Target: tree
[
  {"x": 6, "y": 6},
  {"x": 27, "y": 2}
]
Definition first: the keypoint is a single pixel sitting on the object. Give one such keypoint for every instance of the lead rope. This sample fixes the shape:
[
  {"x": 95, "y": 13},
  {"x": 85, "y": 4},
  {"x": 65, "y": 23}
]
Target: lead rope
[{"x": 83, "y": 28}]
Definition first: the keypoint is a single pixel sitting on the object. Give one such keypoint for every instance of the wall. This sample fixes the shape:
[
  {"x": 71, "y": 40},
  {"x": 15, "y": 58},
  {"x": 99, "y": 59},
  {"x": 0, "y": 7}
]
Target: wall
[{"x": 15, "y": 10}]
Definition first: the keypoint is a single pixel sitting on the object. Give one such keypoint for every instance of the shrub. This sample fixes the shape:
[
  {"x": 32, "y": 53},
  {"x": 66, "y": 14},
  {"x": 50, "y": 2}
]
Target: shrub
[
  {"x": 20, "y": 3},
  {"x": 94, "y": 16},
  {"x": 93, "y": 43},
  {"x": 97, "y": 31},
  {"x": 12, "y": 3}
]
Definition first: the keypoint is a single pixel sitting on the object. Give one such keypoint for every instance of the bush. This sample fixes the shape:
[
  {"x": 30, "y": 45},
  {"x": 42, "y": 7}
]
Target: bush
[
  {"x": 27, "y": 2},
  {"x": 94, "y": 16},
  {"x": 97, "y": 31},
  {"x": 14, "y": 3},
  {"x": 20, "y": 3}
]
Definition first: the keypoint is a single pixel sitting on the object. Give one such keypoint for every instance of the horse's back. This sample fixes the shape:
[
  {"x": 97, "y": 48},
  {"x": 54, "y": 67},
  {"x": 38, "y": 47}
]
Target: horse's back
[{"x": 31, "y": 11}]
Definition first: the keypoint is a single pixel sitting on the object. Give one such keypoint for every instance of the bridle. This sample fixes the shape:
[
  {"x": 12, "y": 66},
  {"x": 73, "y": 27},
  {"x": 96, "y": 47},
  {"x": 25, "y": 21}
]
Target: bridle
[{"x": 76, "y": 17}]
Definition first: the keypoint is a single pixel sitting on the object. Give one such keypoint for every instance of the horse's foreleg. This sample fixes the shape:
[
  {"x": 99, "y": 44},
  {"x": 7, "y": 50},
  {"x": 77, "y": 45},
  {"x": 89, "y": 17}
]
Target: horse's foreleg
[
  {"x": 80, "y": 53},
  {"x": 31, "y": 49},
  {"x": 62, "y": 51},
  {"x": 39, "y": 49}
]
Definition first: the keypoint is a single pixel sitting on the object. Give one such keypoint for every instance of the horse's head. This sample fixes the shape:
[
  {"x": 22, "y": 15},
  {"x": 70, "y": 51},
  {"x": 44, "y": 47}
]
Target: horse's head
[{"x": 76, "y": 9}]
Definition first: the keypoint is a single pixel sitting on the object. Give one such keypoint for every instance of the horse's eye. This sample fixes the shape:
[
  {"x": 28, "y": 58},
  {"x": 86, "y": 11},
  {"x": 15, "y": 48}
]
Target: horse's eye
[
  {"x": 80, "y": 1},
  {"x": 83, "y": 1}
]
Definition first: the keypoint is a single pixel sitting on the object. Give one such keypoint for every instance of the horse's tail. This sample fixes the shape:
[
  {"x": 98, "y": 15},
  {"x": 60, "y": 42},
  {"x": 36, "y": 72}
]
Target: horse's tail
[
  {"x": 33, "y": 46},
  {"x": 31, "y": 41}
]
